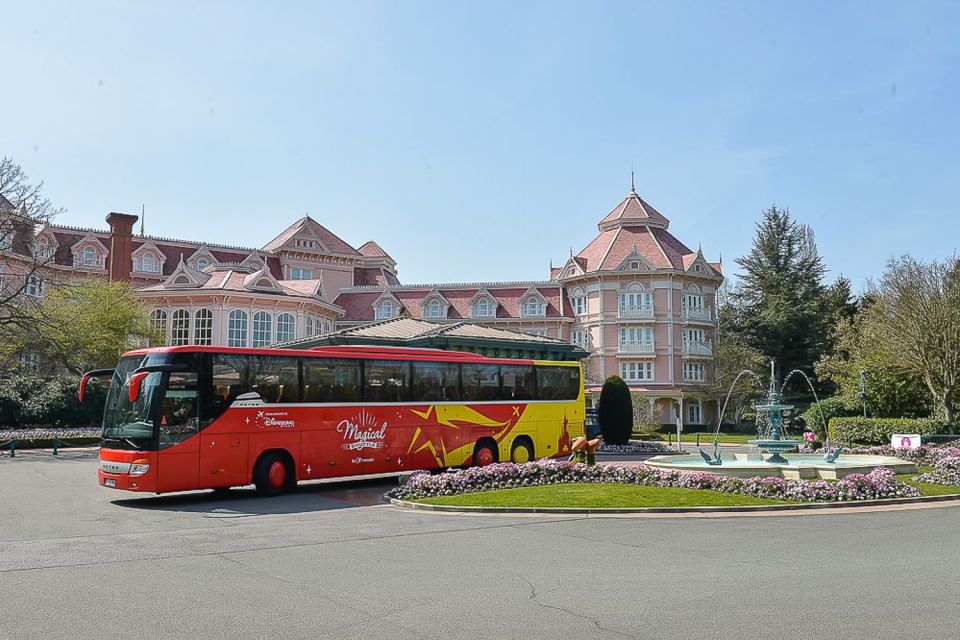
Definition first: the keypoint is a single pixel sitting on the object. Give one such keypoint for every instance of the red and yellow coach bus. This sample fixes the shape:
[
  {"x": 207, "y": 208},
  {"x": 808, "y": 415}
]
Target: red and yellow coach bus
[{"x": 194, "y": 417}]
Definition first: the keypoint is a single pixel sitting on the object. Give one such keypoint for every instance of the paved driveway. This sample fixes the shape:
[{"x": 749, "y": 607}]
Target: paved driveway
[{"x": 330, "y": 561}]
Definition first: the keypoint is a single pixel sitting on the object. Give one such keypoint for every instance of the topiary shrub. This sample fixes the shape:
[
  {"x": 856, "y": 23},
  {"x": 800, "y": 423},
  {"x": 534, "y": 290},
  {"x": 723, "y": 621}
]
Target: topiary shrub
[
  {"x": 879, "y": 430},
  {"x": 834, "y": 407},
  {"x": 615, "y": 411}
]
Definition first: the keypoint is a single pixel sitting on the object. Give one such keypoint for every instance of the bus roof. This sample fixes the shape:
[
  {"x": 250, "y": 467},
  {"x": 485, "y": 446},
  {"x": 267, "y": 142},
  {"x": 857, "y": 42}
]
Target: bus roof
[{"x": 361, "y": 352}]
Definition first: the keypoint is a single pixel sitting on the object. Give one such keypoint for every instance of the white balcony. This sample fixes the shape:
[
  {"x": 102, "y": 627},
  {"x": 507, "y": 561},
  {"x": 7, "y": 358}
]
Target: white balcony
[
  {"x": 636, "y": 311},
  {"x": 698, "y": 348},
  {"x": 698, "y": 314},
  {"x": 637, "y": 346}
]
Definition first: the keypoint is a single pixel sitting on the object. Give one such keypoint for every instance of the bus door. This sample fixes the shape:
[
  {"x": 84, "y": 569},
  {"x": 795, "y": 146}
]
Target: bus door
[
  {"x": 179, "y": 458},
  {"x": 224, "y": 437}
]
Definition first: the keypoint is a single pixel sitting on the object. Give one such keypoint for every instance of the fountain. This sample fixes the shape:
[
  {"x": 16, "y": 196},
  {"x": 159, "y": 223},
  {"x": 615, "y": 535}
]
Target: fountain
[
  {"x": 773, "y": 440},
  {"x": 774, "y": 409}
]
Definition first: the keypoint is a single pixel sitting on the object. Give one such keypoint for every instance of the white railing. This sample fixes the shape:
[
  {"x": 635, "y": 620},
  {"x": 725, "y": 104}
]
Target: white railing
[
  {"x": 697, "y": 348},
  {"x": 636, "y": 346},
  {"x": 636, "y": 311},
  {"x": 698, "y": 313}
]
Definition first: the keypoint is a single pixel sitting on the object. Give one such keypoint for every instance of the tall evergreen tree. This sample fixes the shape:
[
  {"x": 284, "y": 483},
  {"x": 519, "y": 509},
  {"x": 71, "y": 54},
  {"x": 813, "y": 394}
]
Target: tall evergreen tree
[{"x": 781, "y": 303}]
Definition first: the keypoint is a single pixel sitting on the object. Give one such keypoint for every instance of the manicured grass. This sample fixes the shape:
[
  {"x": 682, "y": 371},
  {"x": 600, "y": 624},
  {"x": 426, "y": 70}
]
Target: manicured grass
[
  {"x": 926, "y": 488},
  {"x": 599, "y": 495},
  {"x": 707, "y": 438}
]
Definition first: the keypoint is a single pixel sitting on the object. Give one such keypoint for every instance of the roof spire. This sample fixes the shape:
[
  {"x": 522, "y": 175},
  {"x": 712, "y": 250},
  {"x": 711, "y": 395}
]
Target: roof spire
[
  {"x": 143, "y": 217},
  {"x": 633, "y": 187}
]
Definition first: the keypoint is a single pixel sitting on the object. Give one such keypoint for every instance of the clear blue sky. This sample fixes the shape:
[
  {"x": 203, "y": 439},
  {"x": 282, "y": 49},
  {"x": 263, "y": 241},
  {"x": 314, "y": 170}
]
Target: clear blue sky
[{"x": 476, "y": 141}]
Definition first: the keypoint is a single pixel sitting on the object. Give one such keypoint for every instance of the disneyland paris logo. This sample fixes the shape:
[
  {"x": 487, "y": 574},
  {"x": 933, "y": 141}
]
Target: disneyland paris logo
[{"x": 275, "y": 419}]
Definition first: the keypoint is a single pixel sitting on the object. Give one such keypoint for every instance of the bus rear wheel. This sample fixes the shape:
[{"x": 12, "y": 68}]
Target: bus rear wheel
[
  {"x": 484, "y": 453},
  {"x": 273, "y": 474},
  {"x": 522, "y": 451}
]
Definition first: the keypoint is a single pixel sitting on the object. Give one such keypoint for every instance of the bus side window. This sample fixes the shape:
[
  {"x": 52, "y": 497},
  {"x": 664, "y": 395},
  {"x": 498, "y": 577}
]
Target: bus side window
[
  {"x": 276, "y": 379},
  {"x": 178, "y": 411},
  {"x": 481, "y": 382},
  {"x": 518, "y": 382},
  {"x": 331, "y": 380},
  {"x": 436, "y": 382},
  {"x": 386, "y": 381}
]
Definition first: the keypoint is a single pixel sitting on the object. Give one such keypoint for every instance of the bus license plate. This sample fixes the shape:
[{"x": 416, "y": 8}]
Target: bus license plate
[{"x": 110, "y": 482}]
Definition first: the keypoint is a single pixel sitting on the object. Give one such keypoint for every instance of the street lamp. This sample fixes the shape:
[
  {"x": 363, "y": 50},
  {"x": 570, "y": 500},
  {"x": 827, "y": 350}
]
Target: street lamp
[{"x": 863, "y": 390}]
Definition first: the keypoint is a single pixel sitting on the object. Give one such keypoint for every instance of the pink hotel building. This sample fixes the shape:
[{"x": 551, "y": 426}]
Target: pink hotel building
[{"x": 640, "y": 301}]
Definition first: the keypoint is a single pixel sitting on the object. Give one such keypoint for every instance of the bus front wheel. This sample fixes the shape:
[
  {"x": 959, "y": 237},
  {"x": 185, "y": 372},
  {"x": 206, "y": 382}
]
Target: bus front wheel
[
  {"x": 273, "y": 474},
  {"x": 484, "y": 453}
]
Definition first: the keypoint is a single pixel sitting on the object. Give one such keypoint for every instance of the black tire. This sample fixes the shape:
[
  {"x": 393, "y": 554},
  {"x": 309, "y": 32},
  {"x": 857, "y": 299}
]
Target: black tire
[
  {"x": 266, "y": 475},
  {"x": 485, "y": 452},
  {"x": 522, "y": 447}
]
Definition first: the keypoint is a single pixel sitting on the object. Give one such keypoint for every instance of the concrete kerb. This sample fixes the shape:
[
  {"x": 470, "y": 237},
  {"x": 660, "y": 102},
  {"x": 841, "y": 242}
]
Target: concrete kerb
[{"x": 888, "y": 504}]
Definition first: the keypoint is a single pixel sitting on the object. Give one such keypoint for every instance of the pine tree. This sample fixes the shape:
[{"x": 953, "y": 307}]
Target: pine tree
[{"x": 781, "y": 301}]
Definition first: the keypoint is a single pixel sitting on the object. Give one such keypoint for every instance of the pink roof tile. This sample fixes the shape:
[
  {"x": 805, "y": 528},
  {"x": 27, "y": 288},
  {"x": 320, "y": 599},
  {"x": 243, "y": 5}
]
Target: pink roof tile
[
  {"x": 372, "y": 250},
  {"x": 309, "y": 226},
  {"x": 634, "y": 210}
]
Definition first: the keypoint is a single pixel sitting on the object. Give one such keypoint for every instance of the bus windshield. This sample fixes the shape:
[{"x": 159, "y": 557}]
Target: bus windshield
[{"x": 130, "y": 425}]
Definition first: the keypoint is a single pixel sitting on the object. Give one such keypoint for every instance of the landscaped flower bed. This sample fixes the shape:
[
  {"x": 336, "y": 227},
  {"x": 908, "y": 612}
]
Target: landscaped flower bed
[
  {"x": 49, "y": 433},
  {"x": 634, "y": 446},
  {"x": 945, "y": 471},
  {"x": 879, "y": 483}
]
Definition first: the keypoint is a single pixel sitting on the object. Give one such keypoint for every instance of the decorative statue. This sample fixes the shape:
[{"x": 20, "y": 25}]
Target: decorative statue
[{"x": 584, "y": 451}]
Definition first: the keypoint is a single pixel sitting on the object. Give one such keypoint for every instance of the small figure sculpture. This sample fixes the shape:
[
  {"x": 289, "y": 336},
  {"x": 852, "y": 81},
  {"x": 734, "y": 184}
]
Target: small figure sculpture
[{"x": 584, "y": 451}]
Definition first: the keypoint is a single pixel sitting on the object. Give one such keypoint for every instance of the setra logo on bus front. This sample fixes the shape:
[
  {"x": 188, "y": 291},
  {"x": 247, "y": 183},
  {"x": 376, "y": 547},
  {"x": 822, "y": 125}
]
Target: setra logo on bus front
[{"x": 362, "y": 432}]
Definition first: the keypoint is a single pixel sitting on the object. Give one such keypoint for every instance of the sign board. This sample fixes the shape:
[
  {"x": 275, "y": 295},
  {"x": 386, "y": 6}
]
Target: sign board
[{"x": 905, "y": 441}]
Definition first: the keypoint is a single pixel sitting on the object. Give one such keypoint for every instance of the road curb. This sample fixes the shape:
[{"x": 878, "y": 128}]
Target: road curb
[{"x": 772, "y": 508}]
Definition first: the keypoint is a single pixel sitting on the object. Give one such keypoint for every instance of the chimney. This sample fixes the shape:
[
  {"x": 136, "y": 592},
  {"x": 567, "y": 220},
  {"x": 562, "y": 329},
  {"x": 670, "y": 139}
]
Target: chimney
[{"x": 120, "y": 260}]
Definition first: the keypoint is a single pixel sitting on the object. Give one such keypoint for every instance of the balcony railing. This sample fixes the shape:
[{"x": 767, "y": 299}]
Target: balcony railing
[
  {"x": 703, "y": 314},
  {"x": 697, "y": 348},
  {"x": 636, "y": 311},
  {"x": 636, "y": 346}
]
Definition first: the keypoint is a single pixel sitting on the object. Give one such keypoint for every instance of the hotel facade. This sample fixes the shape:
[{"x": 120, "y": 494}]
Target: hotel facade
[{"x": 636, "y": 298}]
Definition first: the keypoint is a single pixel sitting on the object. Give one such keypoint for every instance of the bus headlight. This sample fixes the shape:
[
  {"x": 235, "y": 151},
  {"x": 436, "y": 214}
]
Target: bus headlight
[{"x": 139, "y": 467}]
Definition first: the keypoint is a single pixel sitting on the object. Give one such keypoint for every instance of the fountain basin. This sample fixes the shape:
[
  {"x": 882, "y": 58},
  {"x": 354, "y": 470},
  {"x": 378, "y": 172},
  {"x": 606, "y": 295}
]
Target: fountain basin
[{"x": 805, "y": 466}]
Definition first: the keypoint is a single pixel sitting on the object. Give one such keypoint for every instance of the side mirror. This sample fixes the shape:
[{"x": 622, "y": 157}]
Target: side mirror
[
  {"x": 87, "y": 377},
  {"x": 136, "y": 380}
]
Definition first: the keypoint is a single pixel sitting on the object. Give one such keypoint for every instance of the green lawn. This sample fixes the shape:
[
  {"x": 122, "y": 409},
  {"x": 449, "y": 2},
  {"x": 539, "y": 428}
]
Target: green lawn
[
  {"x": 707, "y": 438},
  {"x": 925, "y": 488},
  {"x": 598, "y": 495}
]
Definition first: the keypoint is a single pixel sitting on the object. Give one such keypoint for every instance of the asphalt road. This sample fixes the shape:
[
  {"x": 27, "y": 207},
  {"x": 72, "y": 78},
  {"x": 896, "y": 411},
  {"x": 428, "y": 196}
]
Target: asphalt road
[{"x": 80, "y": 561}]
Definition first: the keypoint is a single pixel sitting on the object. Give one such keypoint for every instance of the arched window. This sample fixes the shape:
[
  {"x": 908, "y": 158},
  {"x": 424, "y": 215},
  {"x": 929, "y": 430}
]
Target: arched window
[
  {"x": 237, "y": 328},
  {"x": 636, "y": 302},
  {"x": 203, "y": 327},
  {"x": 578, "y": 301},
  {"x": 262, "y": 329},
  {"x": 43, "y": 250},
  {"x": 309, "y": 326},
  {"x": 89, "y": 256},
  {"x": 158, "y": 323},
  {"x": 482, "y": 308},
  {"x": 693, "y": 304},
  {"x": 532, "y": 307},
  {"x": 286, "y": 327},
  {"x": 264, "y": 283},
  {"x": 148, "y": 263},
  {"x": 180, "y": 327},
  {"x": 385, "y": 310},
  {"x": 434, "y": 309},
  {"x": 202, "y": 264}
]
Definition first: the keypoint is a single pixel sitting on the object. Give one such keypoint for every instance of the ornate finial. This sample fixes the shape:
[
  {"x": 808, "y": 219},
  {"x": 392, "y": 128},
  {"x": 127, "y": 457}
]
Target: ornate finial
[
  {"x": 571, "y": 251},
  {"x": 721, "y": 258},
  {"x": 699, "y": 247},
  {"x": 181, "y": 259},
  {"x": 633, "y": 188},
  {"x": 143, "y": 217}
]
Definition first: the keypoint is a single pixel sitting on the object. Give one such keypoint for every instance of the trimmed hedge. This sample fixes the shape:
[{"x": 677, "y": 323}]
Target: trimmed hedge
[
  {"x": 831, "y": 408},
  {"x": 615, "y": 411},
  {"x": 879, "y": 430},
  {"x": 30, "y": 400}
]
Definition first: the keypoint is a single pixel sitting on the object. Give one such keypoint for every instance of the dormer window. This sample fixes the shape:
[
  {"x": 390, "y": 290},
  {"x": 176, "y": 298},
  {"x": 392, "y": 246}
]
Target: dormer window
[
  {"x": 532, "y": 306},
  {"x": 434, "y": 309},
  {"x": 263, "y": 283},
  {"x": 89, "y": 256},
  {"x": 147, "y": 263},
  {"x": 300, "y": 243},
  {"x": 296, "y": 273},
  {"x": 385, "y": 310},
  {"x": 634, "y": 265},
  {"x": 202, "y": 264},
  {"x": 482, "y": 308},
  {"x": 42, "y": 248}
]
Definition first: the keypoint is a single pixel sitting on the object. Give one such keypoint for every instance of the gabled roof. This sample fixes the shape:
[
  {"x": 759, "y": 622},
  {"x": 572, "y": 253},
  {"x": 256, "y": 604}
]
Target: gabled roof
[
  {"x": 633, "y": 210},
  {"x": 371, "y": 249},
  {"x": 307, "y": 227}
]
